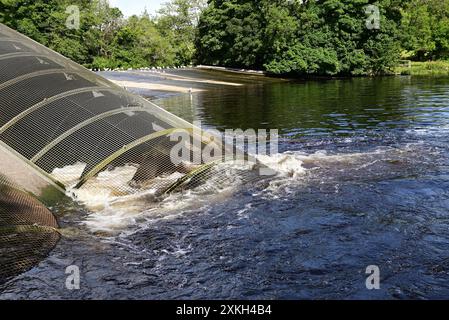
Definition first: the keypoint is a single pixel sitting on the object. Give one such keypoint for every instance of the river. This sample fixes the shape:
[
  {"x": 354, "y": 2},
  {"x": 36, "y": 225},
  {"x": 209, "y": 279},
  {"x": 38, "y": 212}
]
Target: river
[{"x": 363, "y": 180}]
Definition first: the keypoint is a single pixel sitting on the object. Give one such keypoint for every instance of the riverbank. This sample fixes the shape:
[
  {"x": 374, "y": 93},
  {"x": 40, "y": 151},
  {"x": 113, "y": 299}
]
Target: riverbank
[
  {"x": 427, "y": 68},
  {"x": 168, "y": 82},
  {"x": 161, "y": 83}
]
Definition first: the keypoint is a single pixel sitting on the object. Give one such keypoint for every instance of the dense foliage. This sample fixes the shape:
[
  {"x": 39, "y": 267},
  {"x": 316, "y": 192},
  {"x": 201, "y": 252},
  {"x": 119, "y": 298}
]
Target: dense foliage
[
  {"x": 425, "y": 29},
  {"x": 300, "y": 37},
  {"x": 105, "y": 39},
  {"x": 327, "y": 37}
]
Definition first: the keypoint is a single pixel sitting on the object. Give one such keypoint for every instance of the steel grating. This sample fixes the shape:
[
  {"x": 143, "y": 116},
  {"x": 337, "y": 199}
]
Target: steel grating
[
  {"x": 36, "y": 130},
  {"x": 28, "y": 231},
  {"x": 16, "y": 66},
  {"x": 55, "y": 116},
  {"x": 8, "y": 46},
  {"x": 58, "y": 115},
  {"x": 22, "y": 95}
]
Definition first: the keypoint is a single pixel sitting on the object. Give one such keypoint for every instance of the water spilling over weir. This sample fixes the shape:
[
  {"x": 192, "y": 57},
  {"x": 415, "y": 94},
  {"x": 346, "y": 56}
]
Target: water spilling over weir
[
  {"x": 363, "y": 179},
  {"x": 62, "y": 125}
]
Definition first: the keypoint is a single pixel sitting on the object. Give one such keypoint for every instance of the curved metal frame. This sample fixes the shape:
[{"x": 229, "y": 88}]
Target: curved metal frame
[
  {"x": 79, "y": 126},
  {"x": 8, "y": 39},
  {"x": 21, "y": 54},
  {"x": 99, "y": 167},
  {"x": 36, "y": 74},
  {"x": 43, "y": 103},
  {"x": 41, "y": 172},
  {"x": 28, "y": 47}
]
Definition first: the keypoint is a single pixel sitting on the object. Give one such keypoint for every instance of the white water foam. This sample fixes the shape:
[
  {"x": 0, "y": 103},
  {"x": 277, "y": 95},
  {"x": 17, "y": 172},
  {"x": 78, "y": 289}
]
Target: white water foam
[{"x": 113, "y": 212}]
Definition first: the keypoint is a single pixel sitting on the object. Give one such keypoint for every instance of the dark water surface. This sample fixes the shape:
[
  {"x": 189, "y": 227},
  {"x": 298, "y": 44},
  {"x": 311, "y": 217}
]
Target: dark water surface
[{"x": 366, "y": 182}]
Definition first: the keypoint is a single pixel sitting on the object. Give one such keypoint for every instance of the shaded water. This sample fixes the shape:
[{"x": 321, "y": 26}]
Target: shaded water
[{"x": 363, "y": 180}]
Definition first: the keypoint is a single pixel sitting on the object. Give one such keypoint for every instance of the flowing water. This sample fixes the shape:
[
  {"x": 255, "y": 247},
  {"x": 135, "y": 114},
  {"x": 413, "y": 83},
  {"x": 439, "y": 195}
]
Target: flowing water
[{"x": 363, "y": 180}]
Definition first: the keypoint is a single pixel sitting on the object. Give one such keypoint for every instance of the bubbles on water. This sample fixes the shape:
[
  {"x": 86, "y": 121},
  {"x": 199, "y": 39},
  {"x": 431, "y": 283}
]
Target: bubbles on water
[{"x": 114, "y": 212}]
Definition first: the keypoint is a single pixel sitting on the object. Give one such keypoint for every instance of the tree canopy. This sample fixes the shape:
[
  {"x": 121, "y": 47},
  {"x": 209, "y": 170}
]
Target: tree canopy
[
  {"x": 299, "y": 37},
  {"x": 328, "y": 37},
  {"x": 105, "y": 39},
  {"x": 425, "y": 29}
]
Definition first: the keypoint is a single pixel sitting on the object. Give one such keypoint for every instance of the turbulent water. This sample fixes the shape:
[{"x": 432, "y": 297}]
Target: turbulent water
[{"x": 363, "y": 179}]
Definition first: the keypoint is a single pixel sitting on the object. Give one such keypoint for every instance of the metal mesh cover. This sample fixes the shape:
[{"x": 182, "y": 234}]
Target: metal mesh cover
[
  {"x": 36, "y": 130},
  {"x": 28, "y": 231},
  {"x": 57, "y": 115},
  {"x": 8, "y": 46},
  {"x": 17, "y": 66},
  {"x": 23, "y": 95}
]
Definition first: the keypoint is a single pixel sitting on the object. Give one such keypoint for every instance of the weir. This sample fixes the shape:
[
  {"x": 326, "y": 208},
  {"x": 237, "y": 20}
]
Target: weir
[{"x": 56, "y": 115}]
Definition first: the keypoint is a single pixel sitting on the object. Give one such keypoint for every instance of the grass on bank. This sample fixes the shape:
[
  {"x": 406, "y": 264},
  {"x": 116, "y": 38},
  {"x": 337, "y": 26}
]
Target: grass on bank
[{"x": 428, "y": 68}]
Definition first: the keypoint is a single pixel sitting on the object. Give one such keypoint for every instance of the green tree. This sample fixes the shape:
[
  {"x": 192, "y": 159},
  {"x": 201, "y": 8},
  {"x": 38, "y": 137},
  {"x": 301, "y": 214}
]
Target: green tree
[
  {"x": 105, "y": 39},
  {"x": 230, "y": 33},
  {"x": 176, "y": 22},
  {"x": 139, "y": 44},
  {"x": 425, "y": 29},
  {"x": 329, "y": 37},
  {"x": 45, "y": 22}
]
